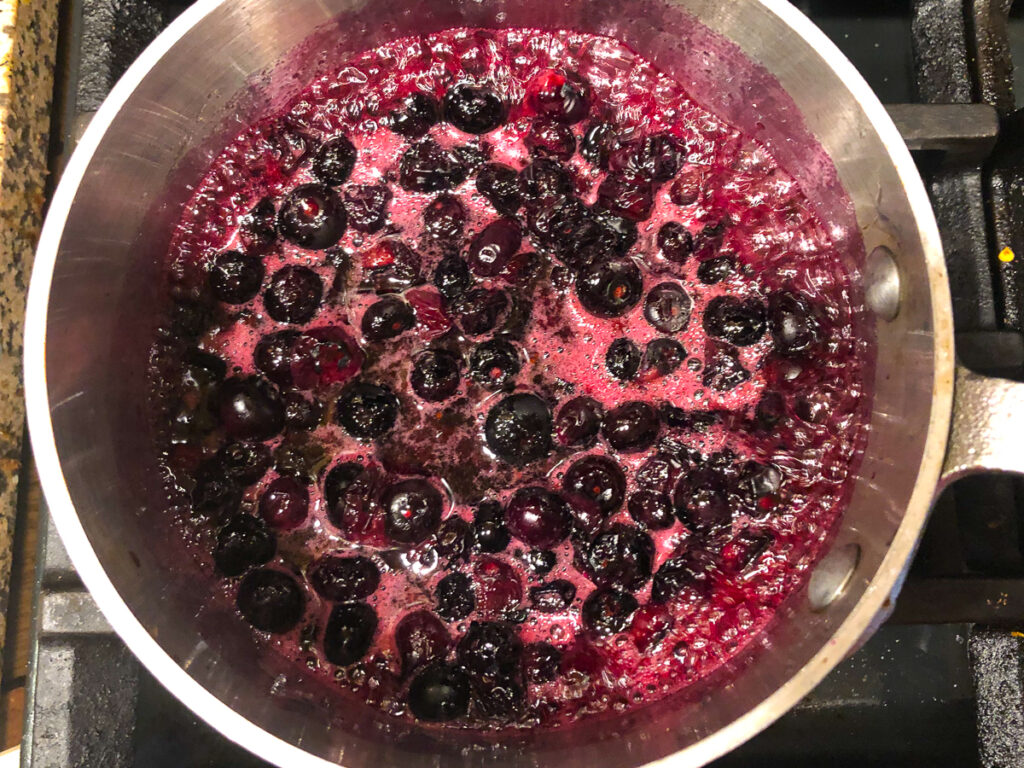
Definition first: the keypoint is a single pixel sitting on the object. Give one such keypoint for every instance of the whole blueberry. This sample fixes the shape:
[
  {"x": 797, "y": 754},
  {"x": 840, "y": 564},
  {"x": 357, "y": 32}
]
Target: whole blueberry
[
  {"x": 578, "y": 422},
  {"x": 242, "y": 543},
  {"x": 538, "y": 517},
  {"x": 737, "y": 321},
  {"x": 270, "y": 600},
  {"x": 293, "y": 295},
  {"x": 312, "y": 216},
  {"x": 413, "y": 510},
  {"x": 610, "y": 287},
  {"x": 435, "y": 375},
  {"x": 518, "y": 429},
  {"x": 387, "y": 318},
  {"x": 439, "y": 693},
  {"x": 349, "y": 633},
  {"x": 598, "y": 478},
  {"x": 494, "y": 363},
  {"x": 344, "y": 579},
  {"x": 415, "y": 115},
  {"x": 608, "y": 611},
  {"x": 366, "y": 411},
  {"x": 235, "y": 277},
  {"x": 474, "y": 109},
  {"x": 333, "y": 162},
  {"x": 623, "y": 359},
  {"x": 631, "y": 427},
  {"x": 250, "y": 408}
]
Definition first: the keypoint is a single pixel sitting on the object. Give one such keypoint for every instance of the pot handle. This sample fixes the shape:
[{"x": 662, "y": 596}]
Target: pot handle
[{"x": 987, "y": 433}]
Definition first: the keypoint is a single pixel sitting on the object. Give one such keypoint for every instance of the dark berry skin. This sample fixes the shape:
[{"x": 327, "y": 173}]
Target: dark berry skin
[
  {"x": 367, "y": 206},
  {"x": 349, "y": 633},
  {"x": 687, "y": 187},
  {"x": 478, "y": 310},
  {"x": 425, "y": 167},
  {"x": 235, "y": 277},
  {"x": 500, "y": 185},
  {"x": 490, "y": 534},
  {"x": 651, "y": 509},
  {"x": 518, "y": 429},
  {"x": 654, "y": 158},
  {"x": 215, "y": 495},
  {"x": 631, "y": 427},
  {"x": 792, "y": 322},
  {"x": 668, "y": 307},
  {"x": 627, "y": 196},
  {"x": 421, "y": 638},
  {"x": 439, "y": 694},
  {"x": 415, "y": 115},
  {"x": 444, "y": 219},
  {"x": 249, "y": 408},
  {"x": 548, "y": 138},
  {"x": 498, "y": 588},
  {"x": 244, "y": 462},
  {"x": 722, "y": 368},
  {"x": 491, "y": 250},
  {"x": 662, "y": 357},
  {"x": 623, "y": 359},
  {"x": 598, "y": 478},
  {"x": 702, "y": 502},
  {"x": 609, "y": 288},
  {"x": 608, "y": 611},
  {"x": 242, "y": 543},
  {"x": 553, "y": 596},
  {"x": 455, "y": 599},
  {"x": 435, "y": 375},
  {"x": 770, "y": 410},
  {"x": 474, "y": 109},
  {"x": 452, "y": 277},
  {"x": 598, "y": 143},
  {"x": 344, "y": 579},
  {"x": 366, "y": 411},
  {"x": 324, "y": 356},
  {"x": 271, "y": 601},
  {"x": 387, "y": 318},
  {"x": 312, "y": 216},
  {"x": 293, "y": 295},
  {"x": 353, "y": 492},
  {"x": 538, "y": 517},
  {"x": 257, "y": 230},
  {"x": 559, "y": 96},
  {"x": 413, "y": 510},
  {"x": 494, "y": 363},
  {"x": 578, "y": 422},
  {"x": 692, "y": 570},
  {"x": 273, "y": 356},
  {"x": 717, "y": 269},
  {"x": 489, "y": 651},
  {"x": 285, "y": 504},
  {"x": 621, "y": 557},
  {"x": 301, "y": 413},
  {"x": 452, "y": 540},
  {"x": 541, "y": 662},
  {"x": 675, "y": 242},
  {"x": 736, "y": 321},
  {"x": 333, "y": 162},
  {"x": 544, "y": 179}
]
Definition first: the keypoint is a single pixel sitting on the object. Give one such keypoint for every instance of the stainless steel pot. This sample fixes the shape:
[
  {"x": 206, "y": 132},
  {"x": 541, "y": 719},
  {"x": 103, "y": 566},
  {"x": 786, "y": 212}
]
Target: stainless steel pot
[{"x": 221, "y": 64}]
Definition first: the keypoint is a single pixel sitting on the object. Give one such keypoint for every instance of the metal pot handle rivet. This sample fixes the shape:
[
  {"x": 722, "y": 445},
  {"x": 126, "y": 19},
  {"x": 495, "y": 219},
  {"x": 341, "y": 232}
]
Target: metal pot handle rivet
[
  {"x": 882, "y": 283},
  {"x": 832, "y": 575}
]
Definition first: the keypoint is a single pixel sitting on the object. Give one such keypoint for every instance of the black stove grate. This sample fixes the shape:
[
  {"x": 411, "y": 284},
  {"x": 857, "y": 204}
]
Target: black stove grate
[{"x": 942, "y": 682}]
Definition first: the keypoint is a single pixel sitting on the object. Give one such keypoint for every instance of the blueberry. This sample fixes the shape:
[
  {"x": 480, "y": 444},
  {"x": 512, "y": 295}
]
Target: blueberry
[
  {"x": 285, "y": 504},
  {"x": 257, "y": 229},
  {"x": 293, "y": 295},
  {"x": 598, "y": 143},
  {"x": 598, "y": 478},
  {"x": 717, "y": 269},
  {"x": 301, "y": 413},
  {"x": 621, "y": 557},
  {"x": 701, "y": 501},
  {"x": 770, "y": 410},
  {"x": 474, "y": 109},
  {"x": 616, "y": 233},
  {"x": 623, "y": 359},
  {"x": 439, "y": 693},
  {"x": 540, "y": 561},
  {"x": 651, "y": 509},
  {"x": 390, "y": 266},
  {"x": 300, "y": 457},
  {"x": 387, "y": 318},
  {"x": 214, "y": 494},
  {"x": 413, "y": 510},
  {"x": 736, "y": 321},
  {"x": 553, "y": 596},
  {"x": 559, "y": 96},
  {"x": 544, "y": 179},
  {"x": 478, "y": 310},
  {"x": 452, "y": 277},
  {"x": 675, "y": 242},
  {"x": 415, "y": 116},
  {"x": 502, "y": 700},
  {"x": 435, "y": 375},
  {"x": 541, "y": 662},
  {"x": 494, "y": 363},
  {"x": 490, "y": 251},
  {"x": 578, "y": 422},
  {"x": 421, "y": 638},
  {"x": 498, "y": 588},
  {"x": 244, "y": 462},
  {"x": 686, "y": 189},
  {"x": 444, "y": 218},
  {"x": 250, "y": 408},
  {"x": 344, "y": 579},
  {"x": 628, "y": 196},
  {"x": 610, "y": 287},
  {"x": 792, "y": 323},
  {"x": 663, "y": 356},
  {"x": 489, "y": 651},
  {"x": 660, "y": 472},
  {"x": 243, "y": 542},
  {"x": 631, "y": 427},
  {"x": 548, "y": 138},
  {"x": 607, "y": 611},
  {"x": 349, "y": 633},
  {"x": 353, "y": 492},
  {"x": 490, "y": 534},
  {"x": 270, "y": 600},
  {"x": 333, "y": 162},
  {"x": 692, "y": 570},
  {"x": 366, "y": 410},
  {"x": 518, "y": 429},
  {"x": 500, "y": 185},
  {"x": 324, "y": 356},
  {"x": 538, "y": 517},
  {"x": 722, "y": 368},
  {"x": 425, "y": 167},
  {"x": 273, "y": 356},
  {"x": 654, "y": 158},
  {"x": 668, "y": 307},
  {"x": 452, "y": 539},
  {"x": 312, "y": 216},
  {"x": 455, "y": 598},
  {"x": 235, "y": 277},
  {"x": 367, "y": 206}
]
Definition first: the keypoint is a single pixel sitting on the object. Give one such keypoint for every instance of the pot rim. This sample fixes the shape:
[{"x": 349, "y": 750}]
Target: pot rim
[{"x": 245, "y": 733}]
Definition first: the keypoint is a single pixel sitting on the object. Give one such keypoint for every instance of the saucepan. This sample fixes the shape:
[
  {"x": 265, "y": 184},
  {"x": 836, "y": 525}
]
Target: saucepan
[{"x": 225, "y": 63}]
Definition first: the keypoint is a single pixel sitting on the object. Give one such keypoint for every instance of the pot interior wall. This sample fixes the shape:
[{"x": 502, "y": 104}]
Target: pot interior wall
[{"x": 106, "y": 283}]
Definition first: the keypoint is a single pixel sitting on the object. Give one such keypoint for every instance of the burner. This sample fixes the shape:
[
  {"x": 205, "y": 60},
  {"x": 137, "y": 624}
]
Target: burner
[{"x": 940, "y": 682}]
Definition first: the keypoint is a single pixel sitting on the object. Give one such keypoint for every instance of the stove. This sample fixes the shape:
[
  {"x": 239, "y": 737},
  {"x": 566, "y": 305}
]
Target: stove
[{"x": 942, "y": 682}]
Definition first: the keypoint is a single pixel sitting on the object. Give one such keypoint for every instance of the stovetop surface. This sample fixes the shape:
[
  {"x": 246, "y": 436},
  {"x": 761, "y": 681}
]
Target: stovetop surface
[{"x": 942, "y": 682}]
